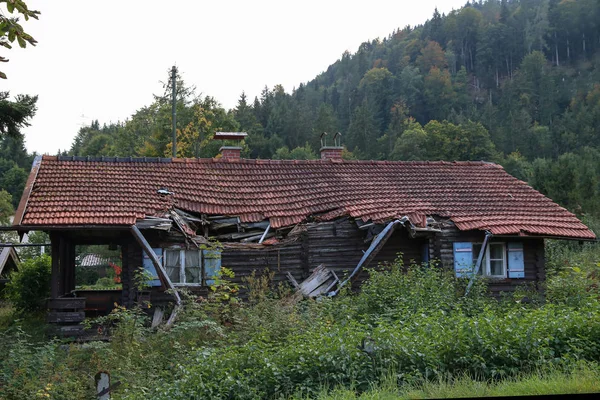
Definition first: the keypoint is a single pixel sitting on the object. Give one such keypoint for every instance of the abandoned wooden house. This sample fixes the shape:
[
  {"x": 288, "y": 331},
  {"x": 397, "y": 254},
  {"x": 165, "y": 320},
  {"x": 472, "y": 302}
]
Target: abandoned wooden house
[{"x": 287, "y": 216}]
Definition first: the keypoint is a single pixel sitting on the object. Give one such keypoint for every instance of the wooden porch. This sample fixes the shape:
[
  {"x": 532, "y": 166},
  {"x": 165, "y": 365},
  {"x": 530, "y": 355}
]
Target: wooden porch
[{"x": 68, "y": 305}]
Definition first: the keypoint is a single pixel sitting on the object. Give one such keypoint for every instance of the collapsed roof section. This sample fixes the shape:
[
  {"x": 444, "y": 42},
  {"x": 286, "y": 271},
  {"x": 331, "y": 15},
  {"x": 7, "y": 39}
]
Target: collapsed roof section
[{"x": 79, "y": 191}]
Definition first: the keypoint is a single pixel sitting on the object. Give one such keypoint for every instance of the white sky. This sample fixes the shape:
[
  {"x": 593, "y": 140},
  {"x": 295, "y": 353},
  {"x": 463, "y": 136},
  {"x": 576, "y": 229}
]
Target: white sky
[{"x": 104, "y": 59}]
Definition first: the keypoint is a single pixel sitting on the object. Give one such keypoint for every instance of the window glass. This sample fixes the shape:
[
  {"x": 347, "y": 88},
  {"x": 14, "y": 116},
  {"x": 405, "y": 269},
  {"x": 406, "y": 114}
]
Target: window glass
[
  {"x": 193, "y": 268},
  {"x": 212, "y": 265},
  {"x": 476, "y": 250},
  {"x": 496, "y": 267},
  {"x": 496, "y": 251},
  {"x": 497, "y": 259},
  {"x": 496, "y": 254},
  {"x": 173, "y": 265}
]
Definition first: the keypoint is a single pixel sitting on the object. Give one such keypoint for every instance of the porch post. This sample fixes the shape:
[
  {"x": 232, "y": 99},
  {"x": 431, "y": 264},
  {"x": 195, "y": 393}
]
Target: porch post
[
  {"x": 55, "y": 277},
  {"x": 70, "y": 266}
]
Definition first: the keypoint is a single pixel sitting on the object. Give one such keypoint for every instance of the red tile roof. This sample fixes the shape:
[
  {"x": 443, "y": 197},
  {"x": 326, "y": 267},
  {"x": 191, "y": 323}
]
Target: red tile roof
[{"x": 474, "y": 195}]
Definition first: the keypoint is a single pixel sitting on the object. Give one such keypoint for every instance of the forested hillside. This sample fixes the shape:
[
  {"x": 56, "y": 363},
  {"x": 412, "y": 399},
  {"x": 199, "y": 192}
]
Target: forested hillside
[
  {"x": 514, "y": 82},
  {"x": 15, "y": 163}
]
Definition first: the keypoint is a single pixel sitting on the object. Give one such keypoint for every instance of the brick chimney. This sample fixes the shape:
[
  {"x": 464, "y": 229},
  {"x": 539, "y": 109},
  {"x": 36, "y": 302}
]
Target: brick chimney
[
  {"x": 331, "y": 152},
  {"x": 230, "y": 152}
]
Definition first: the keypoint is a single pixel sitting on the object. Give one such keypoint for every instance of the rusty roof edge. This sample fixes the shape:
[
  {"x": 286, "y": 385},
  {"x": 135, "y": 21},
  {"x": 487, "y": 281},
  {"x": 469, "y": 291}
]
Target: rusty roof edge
[{"x": 35, "y": 167}]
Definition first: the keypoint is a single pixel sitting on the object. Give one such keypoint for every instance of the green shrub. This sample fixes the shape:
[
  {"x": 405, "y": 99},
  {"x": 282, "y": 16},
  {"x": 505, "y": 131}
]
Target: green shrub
[
  {"x": 414, "y": 324},
  {"x": 32, "y": 370},
  {"x": 573, "y": 287},
  {"x": 86, "y": 276},
  {"x": 29, "y": 286}
]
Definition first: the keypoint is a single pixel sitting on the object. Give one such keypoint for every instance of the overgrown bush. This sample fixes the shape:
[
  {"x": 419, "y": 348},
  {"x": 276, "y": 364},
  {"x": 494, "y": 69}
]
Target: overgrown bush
[
  {"x": 31, "y": 370},
  {"x": 417, "y": 324},
  {"x": 412, "y": 323},
  {"x": 29, "y": 286}
]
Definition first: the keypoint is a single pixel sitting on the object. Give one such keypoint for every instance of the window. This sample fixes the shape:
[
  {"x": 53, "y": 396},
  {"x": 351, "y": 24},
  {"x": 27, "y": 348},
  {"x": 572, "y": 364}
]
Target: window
[
  {"x": 500, "y": 260},
  {"x": 186, "y": 267},
  {"x": 494, "y": 260}
]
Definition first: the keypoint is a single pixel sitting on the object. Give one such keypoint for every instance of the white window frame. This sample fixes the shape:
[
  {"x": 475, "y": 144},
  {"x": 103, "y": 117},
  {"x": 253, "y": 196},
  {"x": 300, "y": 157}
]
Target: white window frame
[
  {"x": 182, "y": 266},
  {"x": 486, "y": 265}
]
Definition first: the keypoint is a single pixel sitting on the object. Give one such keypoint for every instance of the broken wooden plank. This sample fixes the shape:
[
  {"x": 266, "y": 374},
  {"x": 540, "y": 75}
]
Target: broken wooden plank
[
  {"x": 66, "y": 303},
  {"x": 319, "y": 282},
  {"x": 183, "y": 225},
  {"x": 171, "y": 320},
  {"x": 154, "y": 223},
  {"x": 365, "y": 226},
  {"x": 189, "y": 216},
  {"x": 223, "y": 223},
  {"x": 334, "y": 282},
  {"x": 319, "y": 276},
  {"x": 157, "y": 317},
  {"x": 65, "y": 316},
  {"x": 66, "y": 330},
  {"x": 257, "y": 238},
  {"x": 293, "y": 280},
  {"x": 255, "y": 225},
  {"x": 239, "y": 235}
]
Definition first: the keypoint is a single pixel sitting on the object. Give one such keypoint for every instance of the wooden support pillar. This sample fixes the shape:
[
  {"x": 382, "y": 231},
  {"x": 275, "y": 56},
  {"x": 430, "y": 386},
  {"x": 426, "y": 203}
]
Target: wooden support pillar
[
  {"x": 70, "y": 267},
  {"x": 55, "y": 277},
  {"x": 125, "y": 275},
  {"x": 62, "y": 258}
]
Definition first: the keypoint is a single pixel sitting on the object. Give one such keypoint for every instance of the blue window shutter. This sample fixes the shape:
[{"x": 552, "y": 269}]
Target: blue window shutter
[
  {"x": 149, "y": 267},
  {"x": 516, "y": 263},
  {"x": 212, "y": 265},
  {"x": 463, "y": 259}
]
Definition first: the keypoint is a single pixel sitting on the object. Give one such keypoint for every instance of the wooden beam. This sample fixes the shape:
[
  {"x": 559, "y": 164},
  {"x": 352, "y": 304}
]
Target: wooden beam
[
  {"x": 70, "y": 267},
  {"x": 159, "y": 268},
  {"x": 54, "y": 281},
  {"x": 62, "y": 257}
]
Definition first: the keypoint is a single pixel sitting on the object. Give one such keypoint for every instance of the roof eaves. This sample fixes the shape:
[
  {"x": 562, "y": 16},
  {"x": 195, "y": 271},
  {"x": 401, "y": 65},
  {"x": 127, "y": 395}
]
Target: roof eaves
[{"x": 35, "y": 167}]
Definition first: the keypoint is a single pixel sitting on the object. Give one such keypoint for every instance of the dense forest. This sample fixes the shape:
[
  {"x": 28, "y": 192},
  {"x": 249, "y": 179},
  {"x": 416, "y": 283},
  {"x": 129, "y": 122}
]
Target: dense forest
[{"x": 513, "y": 82}]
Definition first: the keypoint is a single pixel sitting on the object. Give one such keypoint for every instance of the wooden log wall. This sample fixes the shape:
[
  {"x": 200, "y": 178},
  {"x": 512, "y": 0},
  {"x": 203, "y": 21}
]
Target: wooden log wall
[
  {"x": 278, "y": 259},
  {"x": 338, "y": 245}
]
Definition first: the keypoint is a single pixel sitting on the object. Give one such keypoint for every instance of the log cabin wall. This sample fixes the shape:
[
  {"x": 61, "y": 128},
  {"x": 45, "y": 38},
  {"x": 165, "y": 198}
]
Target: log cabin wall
[
  {"x": 339, "y": 245},
  {"x": 278, "y": 259}
]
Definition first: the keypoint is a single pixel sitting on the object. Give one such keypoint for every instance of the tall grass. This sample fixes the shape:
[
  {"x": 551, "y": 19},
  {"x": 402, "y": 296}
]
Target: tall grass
[{"x": 583, "y": 378}]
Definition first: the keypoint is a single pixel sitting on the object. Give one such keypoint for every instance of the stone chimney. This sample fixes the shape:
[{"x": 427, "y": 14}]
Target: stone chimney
[
  {"x": 230, "y": 152},
  {"x": 331, "y": 152}
]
